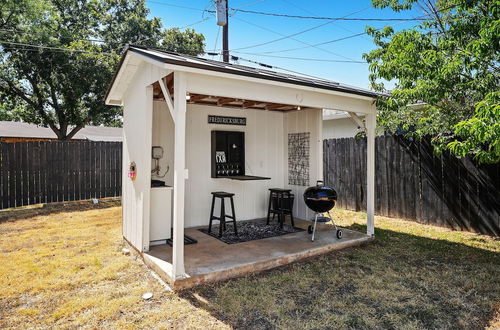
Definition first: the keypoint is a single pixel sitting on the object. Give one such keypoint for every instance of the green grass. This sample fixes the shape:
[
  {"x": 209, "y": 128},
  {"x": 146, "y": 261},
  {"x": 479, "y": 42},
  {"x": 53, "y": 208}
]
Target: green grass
[
  {"x": 63, "y": 267},
  {"x": 413, "y": 276}
]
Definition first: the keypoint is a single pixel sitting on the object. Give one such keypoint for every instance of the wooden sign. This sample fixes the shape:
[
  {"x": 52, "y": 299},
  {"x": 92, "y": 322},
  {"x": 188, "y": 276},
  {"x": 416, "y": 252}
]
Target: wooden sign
[{"x": 242, "y": 121}]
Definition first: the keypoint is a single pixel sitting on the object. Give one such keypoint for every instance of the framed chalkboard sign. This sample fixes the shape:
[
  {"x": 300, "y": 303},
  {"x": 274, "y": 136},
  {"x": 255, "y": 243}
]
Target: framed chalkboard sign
[{"x": 228, "y": 154}]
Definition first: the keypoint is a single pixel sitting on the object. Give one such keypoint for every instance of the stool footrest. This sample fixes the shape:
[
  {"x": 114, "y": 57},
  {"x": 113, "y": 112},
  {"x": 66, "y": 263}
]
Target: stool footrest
[{"x": 227, "y": 216}]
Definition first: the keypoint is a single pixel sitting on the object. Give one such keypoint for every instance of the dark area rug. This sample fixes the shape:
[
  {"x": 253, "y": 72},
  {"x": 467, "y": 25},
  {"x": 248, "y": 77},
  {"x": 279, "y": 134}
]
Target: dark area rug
[{"x": 250, "y": 231}]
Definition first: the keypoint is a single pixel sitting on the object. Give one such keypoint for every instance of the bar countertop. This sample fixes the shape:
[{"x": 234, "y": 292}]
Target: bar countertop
[{"x": 244, "y": 177}]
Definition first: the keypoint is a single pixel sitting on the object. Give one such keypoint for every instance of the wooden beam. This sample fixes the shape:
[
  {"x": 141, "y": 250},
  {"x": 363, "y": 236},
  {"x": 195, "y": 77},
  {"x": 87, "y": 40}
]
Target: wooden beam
[
  {"x": 225, "y": 100},
  {"x": 357, "y": 120},
  {"x": 275, "y": 106},
  {"x": 169, "y": 81},
  {"x": 168, "y": 99},
  {"x": 157, "y": 94},
  {"x": 197, "y": 97},
  {"x": 249, "y": 104}
]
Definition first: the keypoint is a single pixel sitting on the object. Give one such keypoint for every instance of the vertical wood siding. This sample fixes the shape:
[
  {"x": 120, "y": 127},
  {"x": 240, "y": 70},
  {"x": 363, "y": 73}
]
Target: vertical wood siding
[
  {"x": 53, "y": 171},
  {"x": 415, "y": 184}
]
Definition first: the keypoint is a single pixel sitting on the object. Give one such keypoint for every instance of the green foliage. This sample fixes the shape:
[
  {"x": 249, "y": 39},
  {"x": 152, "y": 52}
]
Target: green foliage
[
  {"x": 64, "y": 89},
  {"x": 481, "y": 133},
  {"x": 446, "y": 73}
]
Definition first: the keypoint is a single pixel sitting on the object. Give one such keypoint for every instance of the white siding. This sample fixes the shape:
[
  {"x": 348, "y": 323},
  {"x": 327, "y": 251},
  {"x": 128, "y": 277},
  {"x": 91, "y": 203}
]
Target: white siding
[
  {"x": 339, "y": 128},
  {"x": 137, "y": 127},
  {"x": 301, "y": 122},
  {"x": 163, "y": 135},
  {"x": 264, "y": 156}
]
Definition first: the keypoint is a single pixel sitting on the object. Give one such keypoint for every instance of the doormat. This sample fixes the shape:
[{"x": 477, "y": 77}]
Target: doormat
[{"x": 250, "y": 231}]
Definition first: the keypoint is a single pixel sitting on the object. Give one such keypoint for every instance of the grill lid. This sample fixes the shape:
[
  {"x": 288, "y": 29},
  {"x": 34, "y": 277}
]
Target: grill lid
[{"x": 320, "y": 198}]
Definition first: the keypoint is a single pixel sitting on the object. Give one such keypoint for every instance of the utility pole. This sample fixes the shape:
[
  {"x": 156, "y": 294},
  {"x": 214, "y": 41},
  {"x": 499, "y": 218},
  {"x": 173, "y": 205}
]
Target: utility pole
[
  {"x": 225, "y": 36},
  {"x": 223, "y": 20}
]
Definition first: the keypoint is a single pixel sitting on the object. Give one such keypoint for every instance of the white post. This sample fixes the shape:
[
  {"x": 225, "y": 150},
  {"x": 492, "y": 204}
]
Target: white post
[
  {"x": 146, "y": 171},
  {"x": 370, "y": 172},
  {"x": 179, "y": 174}
]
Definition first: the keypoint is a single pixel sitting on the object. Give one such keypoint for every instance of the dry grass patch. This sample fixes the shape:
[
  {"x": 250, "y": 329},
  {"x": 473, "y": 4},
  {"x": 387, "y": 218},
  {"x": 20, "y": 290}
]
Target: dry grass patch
[{"x": 67, "y": 270}]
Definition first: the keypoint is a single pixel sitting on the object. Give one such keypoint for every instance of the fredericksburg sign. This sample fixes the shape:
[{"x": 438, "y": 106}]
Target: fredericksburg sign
[{"x": 227, "y": 120}]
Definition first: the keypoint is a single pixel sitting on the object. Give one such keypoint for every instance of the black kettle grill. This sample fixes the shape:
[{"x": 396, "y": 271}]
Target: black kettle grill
[{"x": 321, "y": 199}]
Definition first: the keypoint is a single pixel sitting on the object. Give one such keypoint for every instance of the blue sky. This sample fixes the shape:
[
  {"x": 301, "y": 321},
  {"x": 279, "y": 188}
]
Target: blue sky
[{"x": 250, "y": 29}]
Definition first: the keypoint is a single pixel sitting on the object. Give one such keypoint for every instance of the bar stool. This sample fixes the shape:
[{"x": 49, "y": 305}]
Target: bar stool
[
  {"x": 280, "y": 203},
  {"x": 222, "y": 218}
]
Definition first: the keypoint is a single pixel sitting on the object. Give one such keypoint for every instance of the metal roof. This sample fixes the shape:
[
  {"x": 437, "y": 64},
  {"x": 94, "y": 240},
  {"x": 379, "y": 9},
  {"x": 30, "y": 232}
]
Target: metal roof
[
  {"x": 92, "y": 133},
  {"x": 241, "y": 70}
]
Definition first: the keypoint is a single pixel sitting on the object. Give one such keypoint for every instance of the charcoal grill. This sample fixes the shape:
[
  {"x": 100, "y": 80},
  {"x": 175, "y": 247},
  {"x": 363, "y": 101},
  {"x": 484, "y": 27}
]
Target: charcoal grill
[{"x": 321, "y": 199}]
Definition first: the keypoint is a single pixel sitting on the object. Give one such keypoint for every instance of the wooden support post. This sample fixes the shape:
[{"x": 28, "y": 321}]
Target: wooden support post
[
  {"x": 370, "y": 171},
  {"x": 168, "y": 98},
  {"x": 144, "y": 172},
  {"x": 178, "y": 271}
]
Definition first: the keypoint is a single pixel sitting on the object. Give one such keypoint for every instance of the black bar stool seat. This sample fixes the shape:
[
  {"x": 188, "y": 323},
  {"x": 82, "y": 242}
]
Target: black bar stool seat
[
  {"x": 222, "y": 218},
  {"x": 280, "y": 203}
]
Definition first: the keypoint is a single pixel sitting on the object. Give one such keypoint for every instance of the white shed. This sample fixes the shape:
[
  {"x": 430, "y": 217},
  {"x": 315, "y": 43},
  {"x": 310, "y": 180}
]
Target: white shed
[{"x": 174, "y": 103}]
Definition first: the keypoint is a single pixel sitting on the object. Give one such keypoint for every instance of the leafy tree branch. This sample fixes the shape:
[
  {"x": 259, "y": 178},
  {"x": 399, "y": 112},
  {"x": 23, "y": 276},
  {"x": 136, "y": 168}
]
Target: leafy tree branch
[
  {"x": 63, "y": 87},
  {"x": 446, "y": 73}
]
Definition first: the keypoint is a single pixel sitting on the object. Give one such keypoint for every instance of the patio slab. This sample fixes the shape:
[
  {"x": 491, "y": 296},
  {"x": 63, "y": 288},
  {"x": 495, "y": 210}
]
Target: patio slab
[{"x": 212, "y": 260}]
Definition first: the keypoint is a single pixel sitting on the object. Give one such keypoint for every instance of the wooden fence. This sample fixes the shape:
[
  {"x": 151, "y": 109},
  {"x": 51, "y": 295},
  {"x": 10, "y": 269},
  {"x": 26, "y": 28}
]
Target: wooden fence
[
  {"x": 411, "y": 182},
  {"x": 54, "y": 171}
]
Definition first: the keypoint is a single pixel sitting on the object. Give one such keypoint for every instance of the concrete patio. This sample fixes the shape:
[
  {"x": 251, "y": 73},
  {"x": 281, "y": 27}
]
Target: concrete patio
[{"x": 212, "y": 260}]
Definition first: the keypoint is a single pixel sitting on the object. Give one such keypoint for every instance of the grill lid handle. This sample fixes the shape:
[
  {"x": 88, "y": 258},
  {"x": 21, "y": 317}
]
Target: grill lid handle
[{"x": 318, "y": 183}]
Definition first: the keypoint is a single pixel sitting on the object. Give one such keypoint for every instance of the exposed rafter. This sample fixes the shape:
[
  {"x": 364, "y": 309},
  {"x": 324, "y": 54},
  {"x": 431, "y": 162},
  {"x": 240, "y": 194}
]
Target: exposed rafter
[
  {"x": 210, "y": 100},
  {"x": 225, "y": 100}
]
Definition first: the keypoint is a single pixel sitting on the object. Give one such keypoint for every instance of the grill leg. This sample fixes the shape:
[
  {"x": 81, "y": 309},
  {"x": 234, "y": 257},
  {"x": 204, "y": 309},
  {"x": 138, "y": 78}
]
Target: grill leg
[
  {"x": 314, "y": 229},
  {"x": 331, "y": 219}
]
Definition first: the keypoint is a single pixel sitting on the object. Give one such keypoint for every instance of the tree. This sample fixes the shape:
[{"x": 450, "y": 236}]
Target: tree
[
  {"x": 62, "y": 83},
  {"x": 450, "y": 63}
]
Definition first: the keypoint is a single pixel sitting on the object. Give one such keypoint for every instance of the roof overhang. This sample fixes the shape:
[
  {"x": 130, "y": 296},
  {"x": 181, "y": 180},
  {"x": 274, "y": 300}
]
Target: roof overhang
[{"x": 133, "y": 56}]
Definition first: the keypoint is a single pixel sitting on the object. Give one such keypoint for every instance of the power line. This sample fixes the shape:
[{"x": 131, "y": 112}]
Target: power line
[
  {"x": 239, "y": 9},
  {"x": 197, "y": 22},
  {"x": 315, "y": 14},
  {"x": 29, "y": 32},
  {"x": 55, "y": 48},
  {"x": 174, "y": 5},
  {"x": 268, "y": 66},
  {"x": 318, "y": 44},
  {"x": 327, "y": 18},
  {"x": 298, "y": 40},
  {"x": 250, "y": 4},
  {"x": 217, "y": 39},
  {"x": 304, "y": 58},
  {"x": 297, "y": 33},
  {"x": 342, "y": 38}
]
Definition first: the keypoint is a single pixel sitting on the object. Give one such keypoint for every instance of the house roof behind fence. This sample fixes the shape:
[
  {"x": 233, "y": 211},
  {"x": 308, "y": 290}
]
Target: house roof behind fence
[{"x": 24, "y": 130}]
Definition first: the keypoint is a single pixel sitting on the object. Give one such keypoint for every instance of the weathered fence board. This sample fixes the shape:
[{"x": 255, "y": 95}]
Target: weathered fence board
[
  {"x": 414, "y": 183},
  {"x": 54, "y": 171}
]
